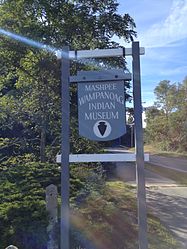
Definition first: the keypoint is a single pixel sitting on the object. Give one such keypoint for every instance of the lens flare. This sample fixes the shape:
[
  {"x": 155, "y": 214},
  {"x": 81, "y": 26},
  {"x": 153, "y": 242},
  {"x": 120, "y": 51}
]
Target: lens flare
[
  {"x": 33, "y": 43},
  {"x": 58, "y": 52}
]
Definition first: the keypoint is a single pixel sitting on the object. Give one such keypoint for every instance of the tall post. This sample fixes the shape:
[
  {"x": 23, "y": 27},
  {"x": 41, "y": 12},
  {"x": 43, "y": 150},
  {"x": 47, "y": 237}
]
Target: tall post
[
  {"x": 140, "y": 174},
  {"x": 65, "y": 149}
]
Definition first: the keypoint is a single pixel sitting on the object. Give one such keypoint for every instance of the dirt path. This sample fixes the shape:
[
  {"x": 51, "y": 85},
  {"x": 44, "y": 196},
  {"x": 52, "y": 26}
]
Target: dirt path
[
  {"x": 169, "y": 162},
  {"x": 170, "y": 206}
]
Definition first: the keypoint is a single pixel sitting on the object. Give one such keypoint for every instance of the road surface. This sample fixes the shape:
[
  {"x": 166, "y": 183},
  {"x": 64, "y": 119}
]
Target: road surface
[
  {"x": 169, "y": 204},
  {"x": 127, "y": 172},
  {"x": 165, "y": 199},
  {"x": 178, "y": 164}
]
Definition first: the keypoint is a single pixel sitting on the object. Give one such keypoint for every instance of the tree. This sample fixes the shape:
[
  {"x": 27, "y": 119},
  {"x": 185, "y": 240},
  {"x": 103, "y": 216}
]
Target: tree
[
  {"x": 31, "y": 78},
  {"x": 151, "y": 112},
  {"x": 178, "y": 118},
  {"x": 23, "y": 217},
  {"x": 164, "y": 93},
  {"x": 166, "y": 121},
  {"x": 30, "y": 99}
]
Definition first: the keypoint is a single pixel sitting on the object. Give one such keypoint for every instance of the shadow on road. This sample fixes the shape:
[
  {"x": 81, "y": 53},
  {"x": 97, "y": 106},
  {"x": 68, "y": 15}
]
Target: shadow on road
[
  {"x": 170, "y": 206},
  {"x": 167, "y": 201},
  {"x": 126, "y": 171}
]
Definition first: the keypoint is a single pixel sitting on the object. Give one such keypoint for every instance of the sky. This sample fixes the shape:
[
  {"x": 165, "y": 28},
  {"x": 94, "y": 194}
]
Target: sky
[{"x": 161, "y": 27}]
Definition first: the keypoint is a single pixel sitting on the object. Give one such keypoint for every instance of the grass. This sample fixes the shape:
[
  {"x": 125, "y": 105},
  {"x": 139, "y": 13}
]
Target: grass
[
  {"x": 178, "y": 177},
  {"x": 108, "y": 218},
  {"x": 154, "y": 151},
  {"x": 148, "y": 148},
  {"x": 172, "y": 154}
]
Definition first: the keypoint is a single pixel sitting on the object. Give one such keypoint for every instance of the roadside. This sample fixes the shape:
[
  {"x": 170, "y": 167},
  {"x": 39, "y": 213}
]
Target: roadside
[
  {"x": 108, "y": 218},
  {"x": 154, "y": 151},
  {"x": 179, "y": 177},
  {"x": 126, "y": 171},
  {"x": 178, "y": 164},
  {"x": 166, "y": 192},
  {"x": 169, "y": 205},
  {"x": 159, "y": 170}
]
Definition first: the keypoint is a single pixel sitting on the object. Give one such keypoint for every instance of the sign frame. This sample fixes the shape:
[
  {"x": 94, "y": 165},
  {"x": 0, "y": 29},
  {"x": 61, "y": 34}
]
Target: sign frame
[{"x": 135, "y": 51}]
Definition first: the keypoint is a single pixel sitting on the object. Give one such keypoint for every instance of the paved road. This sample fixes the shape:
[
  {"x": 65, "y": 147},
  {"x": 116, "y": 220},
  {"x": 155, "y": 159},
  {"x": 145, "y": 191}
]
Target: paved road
[
  {"x": 165, "y": 199},
  {"x": 170, "y": 206},
  {"x": 127, "y": 172},
  {"x": 168, "y": 162}
]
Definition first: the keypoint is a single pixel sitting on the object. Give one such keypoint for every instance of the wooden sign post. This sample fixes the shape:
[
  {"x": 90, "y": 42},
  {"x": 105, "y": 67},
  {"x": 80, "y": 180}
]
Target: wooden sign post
[
  {"x": 101, "y": 126},
  {"x": 140, "y": 175},
  {"x": 65, "y": 150}
]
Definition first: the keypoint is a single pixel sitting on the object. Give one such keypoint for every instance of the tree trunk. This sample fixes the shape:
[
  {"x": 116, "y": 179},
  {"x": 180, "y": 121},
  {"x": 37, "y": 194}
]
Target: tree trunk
[{"x": 42, "y": 145}]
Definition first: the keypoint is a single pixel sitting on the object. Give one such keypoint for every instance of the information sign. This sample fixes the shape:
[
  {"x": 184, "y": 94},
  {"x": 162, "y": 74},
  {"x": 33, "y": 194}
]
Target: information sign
[{"x": 101, "y": 109}]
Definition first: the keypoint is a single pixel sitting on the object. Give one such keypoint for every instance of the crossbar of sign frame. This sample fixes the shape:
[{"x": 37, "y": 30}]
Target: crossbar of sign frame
[
  {"x": 103, "y": 53},
  {"x": 118, "y": 157},
  {"x": 107, "y": 75}
]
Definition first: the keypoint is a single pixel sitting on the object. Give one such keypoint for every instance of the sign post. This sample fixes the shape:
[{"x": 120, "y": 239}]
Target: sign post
[
  {"x": 102, "y": 118},
  {"x": 140, "y": 175},
  {"x": 65, "y": 150}
]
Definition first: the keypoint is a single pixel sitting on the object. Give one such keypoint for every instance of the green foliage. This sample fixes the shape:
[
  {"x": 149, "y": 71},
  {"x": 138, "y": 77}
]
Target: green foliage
[
  {"x": 30, "y": 78},
  {"x": 165, "y": 93},
  {"x": 167, "y": 120},
  {"x": 30, "y": 100},
  {"x": 23, "y": 216},
  {"x": 87, "y": 178},
  {"x": 23, "y": 224},
  {"x": 22, "y": 203},
  {"x": 159, "y": 236},
  {"x": 108, "y": 219}
]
